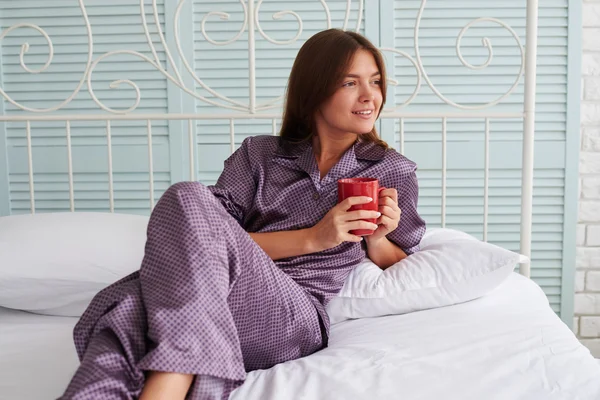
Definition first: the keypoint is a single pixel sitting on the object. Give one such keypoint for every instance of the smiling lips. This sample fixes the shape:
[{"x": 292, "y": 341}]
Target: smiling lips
[{"x": 364, "y": 114}]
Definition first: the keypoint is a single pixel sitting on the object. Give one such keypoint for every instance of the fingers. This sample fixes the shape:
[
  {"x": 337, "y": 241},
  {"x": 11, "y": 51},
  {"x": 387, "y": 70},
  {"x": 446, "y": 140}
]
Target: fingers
[
  {"x": 388, "y": 201},
  {"x": 354, "y": 200},
  {"x": 389, "y": 223},
  {"x": 387, "y": 217},
  {"x": 360, "y": 224},
  {"x": 353, "y": 238},
  {"x": 395, "y": 217},
  {"x": 390, "y": 193},
  {"x": 389, "y": 207},
  {"x": 361, "y": 214},
  {"x": 388, "y": 211}
]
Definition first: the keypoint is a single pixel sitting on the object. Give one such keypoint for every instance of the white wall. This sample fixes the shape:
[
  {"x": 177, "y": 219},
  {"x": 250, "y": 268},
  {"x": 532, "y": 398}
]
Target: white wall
[{"x": 587, "y": 283}]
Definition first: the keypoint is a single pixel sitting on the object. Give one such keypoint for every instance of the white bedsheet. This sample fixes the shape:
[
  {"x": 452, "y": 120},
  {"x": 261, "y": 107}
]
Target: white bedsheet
[
  {"x": 37, "y": 355},
  {"x": 508, "y": 345}
]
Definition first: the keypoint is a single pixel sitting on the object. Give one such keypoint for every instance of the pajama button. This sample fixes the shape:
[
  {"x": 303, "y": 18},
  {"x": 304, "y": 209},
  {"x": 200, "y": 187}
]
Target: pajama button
[{"x": 316, "y": 196}]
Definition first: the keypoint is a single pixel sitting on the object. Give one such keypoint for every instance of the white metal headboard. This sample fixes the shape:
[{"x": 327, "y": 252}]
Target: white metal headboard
[{"x": 252, "y": 110}]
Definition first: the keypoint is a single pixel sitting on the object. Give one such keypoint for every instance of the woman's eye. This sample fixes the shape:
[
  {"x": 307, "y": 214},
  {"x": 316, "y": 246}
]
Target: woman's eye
[
  {"x": 377, "y": 82},
  {"x": 347, "y": 84}
]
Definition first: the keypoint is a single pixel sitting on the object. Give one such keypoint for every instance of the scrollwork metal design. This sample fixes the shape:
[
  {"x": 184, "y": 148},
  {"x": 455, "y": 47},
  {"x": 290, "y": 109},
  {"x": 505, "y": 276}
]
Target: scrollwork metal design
[
  {"x": 250, "y": 22},
  {"x": 25, "y": 48},
  {"x": 486, "y": 42}
]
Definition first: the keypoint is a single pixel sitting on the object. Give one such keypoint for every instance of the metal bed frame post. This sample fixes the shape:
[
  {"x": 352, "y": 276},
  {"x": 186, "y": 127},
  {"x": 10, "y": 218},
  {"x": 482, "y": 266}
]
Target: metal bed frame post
[{"x": 528, "y": 134}]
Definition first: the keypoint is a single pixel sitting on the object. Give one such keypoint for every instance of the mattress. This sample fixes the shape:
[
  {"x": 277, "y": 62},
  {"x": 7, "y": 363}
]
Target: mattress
[
  {"x": 506, "y": 345},
  {"x": 37, "y": 355}
]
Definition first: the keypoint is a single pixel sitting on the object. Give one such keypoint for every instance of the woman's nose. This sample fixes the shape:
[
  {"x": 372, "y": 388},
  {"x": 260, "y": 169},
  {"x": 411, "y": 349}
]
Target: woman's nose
[{"x": 366, "y": 95}]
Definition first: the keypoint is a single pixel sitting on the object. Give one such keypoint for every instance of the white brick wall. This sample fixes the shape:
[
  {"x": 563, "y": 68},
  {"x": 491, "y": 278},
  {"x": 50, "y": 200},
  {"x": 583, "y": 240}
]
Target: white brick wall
[{"x": 587, "y": 277}]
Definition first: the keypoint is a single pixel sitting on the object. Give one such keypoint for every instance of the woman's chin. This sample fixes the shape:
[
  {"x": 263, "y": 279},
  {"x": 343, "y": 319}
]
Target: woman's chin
[{"x": 364, "y": 130}]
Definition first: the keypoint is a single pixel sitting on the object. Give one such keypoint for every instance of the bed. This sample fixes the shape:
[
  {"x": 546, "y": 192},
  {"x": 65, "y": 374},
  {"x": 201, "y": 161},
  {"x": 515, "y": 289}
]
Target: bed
[
  {"x": 508, "y": 344},
  {"x": 495, "y": 338}
]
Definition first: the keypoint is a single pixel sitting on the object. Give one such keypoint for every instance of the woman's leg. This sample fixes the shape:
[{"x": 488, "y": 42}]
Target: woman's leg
[
  {"x": 214, "y": 306},
  {"x": 110, "y": 340},
  {"x": 226, "y": 308}
]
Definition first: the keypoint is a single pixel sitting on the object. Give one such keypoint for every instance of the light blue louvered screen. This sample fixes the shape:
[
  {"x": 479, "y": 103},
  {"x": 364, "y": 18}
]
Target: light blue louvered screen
[
  {"x": 225, "y": 68},
  {"x": 117, "y": 25},
  {"x": 441, "y": 24}
]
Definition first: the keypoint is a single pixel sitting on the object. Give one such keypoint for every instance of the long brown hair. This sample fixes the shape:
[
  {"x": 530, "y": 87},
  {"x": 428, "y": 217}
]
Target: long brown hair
[{"x": 320, "y": 66}]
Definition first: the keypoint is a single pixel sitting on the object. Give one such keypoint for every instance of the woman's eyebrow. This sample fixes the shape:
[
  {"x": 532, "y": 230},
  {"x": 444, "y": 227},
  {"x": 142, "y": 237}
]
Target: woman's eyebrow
[{"x": 358, "y": 76}]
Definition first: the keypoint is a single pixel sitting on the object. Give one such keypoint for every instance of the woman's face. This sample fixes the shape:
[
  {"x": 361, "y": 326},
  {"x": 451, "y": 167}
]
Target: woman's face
[{"x": 355, "y": 104}]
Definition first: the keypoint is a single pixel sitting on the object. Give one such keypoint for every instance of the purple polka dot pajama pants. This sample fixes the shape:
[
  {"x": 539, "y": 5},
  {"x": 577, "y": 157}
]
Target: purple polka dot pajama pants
[{"x": 206, "y": 301}]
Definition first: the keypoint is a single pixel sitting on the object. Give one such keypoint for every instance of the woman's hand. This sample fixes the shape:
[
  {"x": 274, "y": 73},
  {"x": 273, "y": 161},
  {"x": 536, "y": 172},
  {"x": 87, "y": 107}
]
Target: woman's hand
[
  {"x": 390, "y": 214},
  {"x": 334, "y": 228}
]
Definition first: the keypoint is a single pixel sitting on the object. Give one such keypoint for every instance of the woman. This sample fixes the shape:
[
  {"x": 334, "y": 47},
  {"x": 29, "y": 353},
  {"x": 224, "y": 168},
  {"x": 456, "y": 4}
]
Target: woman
[{"x": 236, "y": 276}]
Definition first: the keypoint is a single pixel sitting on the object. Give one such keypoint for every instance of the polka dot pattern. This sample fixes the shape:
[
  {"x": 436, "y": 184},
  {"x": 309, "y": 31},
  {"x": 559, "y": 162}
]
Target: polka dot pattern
[{"x": 207, "y": 300}]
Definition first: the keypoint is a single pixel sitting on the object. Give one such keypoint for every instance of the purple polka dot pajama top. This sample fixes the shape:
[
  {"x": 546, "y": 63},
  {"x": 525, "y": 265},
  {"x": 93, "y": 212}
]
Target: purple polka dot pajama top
[{"x": 207, "y": 300}]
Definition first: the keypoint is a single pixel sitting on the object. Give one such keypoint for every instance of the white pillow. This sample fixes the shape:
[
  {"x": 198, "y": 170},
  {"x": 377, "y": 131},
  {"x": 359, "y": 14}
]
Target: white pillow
[
  {"x": 452, "y": 267},
  {"x": 55, "y": 263}
]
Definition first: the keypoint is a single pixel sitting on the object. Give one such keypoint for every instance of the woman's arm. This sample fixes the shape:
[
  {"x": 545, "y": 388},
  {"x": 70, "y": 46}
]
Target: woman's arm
[
  {"x": 384, "y": 253},
  {"x": 166, "y": 386},
  {"x": 380, "y": 249},
  {"x": 331, "y": 231},
  {"x": 286, "y": 244},
  {"x": 400, "y": 223}
]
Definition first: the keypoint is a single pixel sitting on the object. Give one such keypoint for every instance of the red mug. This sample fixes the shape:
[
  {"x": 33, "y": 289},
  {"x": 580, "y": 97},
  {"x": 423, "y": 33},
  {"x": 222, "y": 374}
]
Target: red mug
[{"x": 350, "y": 187}]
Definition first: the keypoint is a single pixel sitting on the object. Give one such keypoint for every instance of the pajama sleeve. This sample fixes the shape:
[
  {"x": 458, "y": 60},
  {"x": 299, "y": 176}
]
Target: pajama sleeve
[
  {"x": 236, "y": 186},
  {"x": 411, "y": 228}
]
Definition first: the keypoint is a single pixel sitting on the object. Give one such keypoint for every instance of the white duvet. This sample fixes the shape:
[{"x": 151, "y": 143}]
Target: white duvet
[{"x": 507, "y": 345}]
